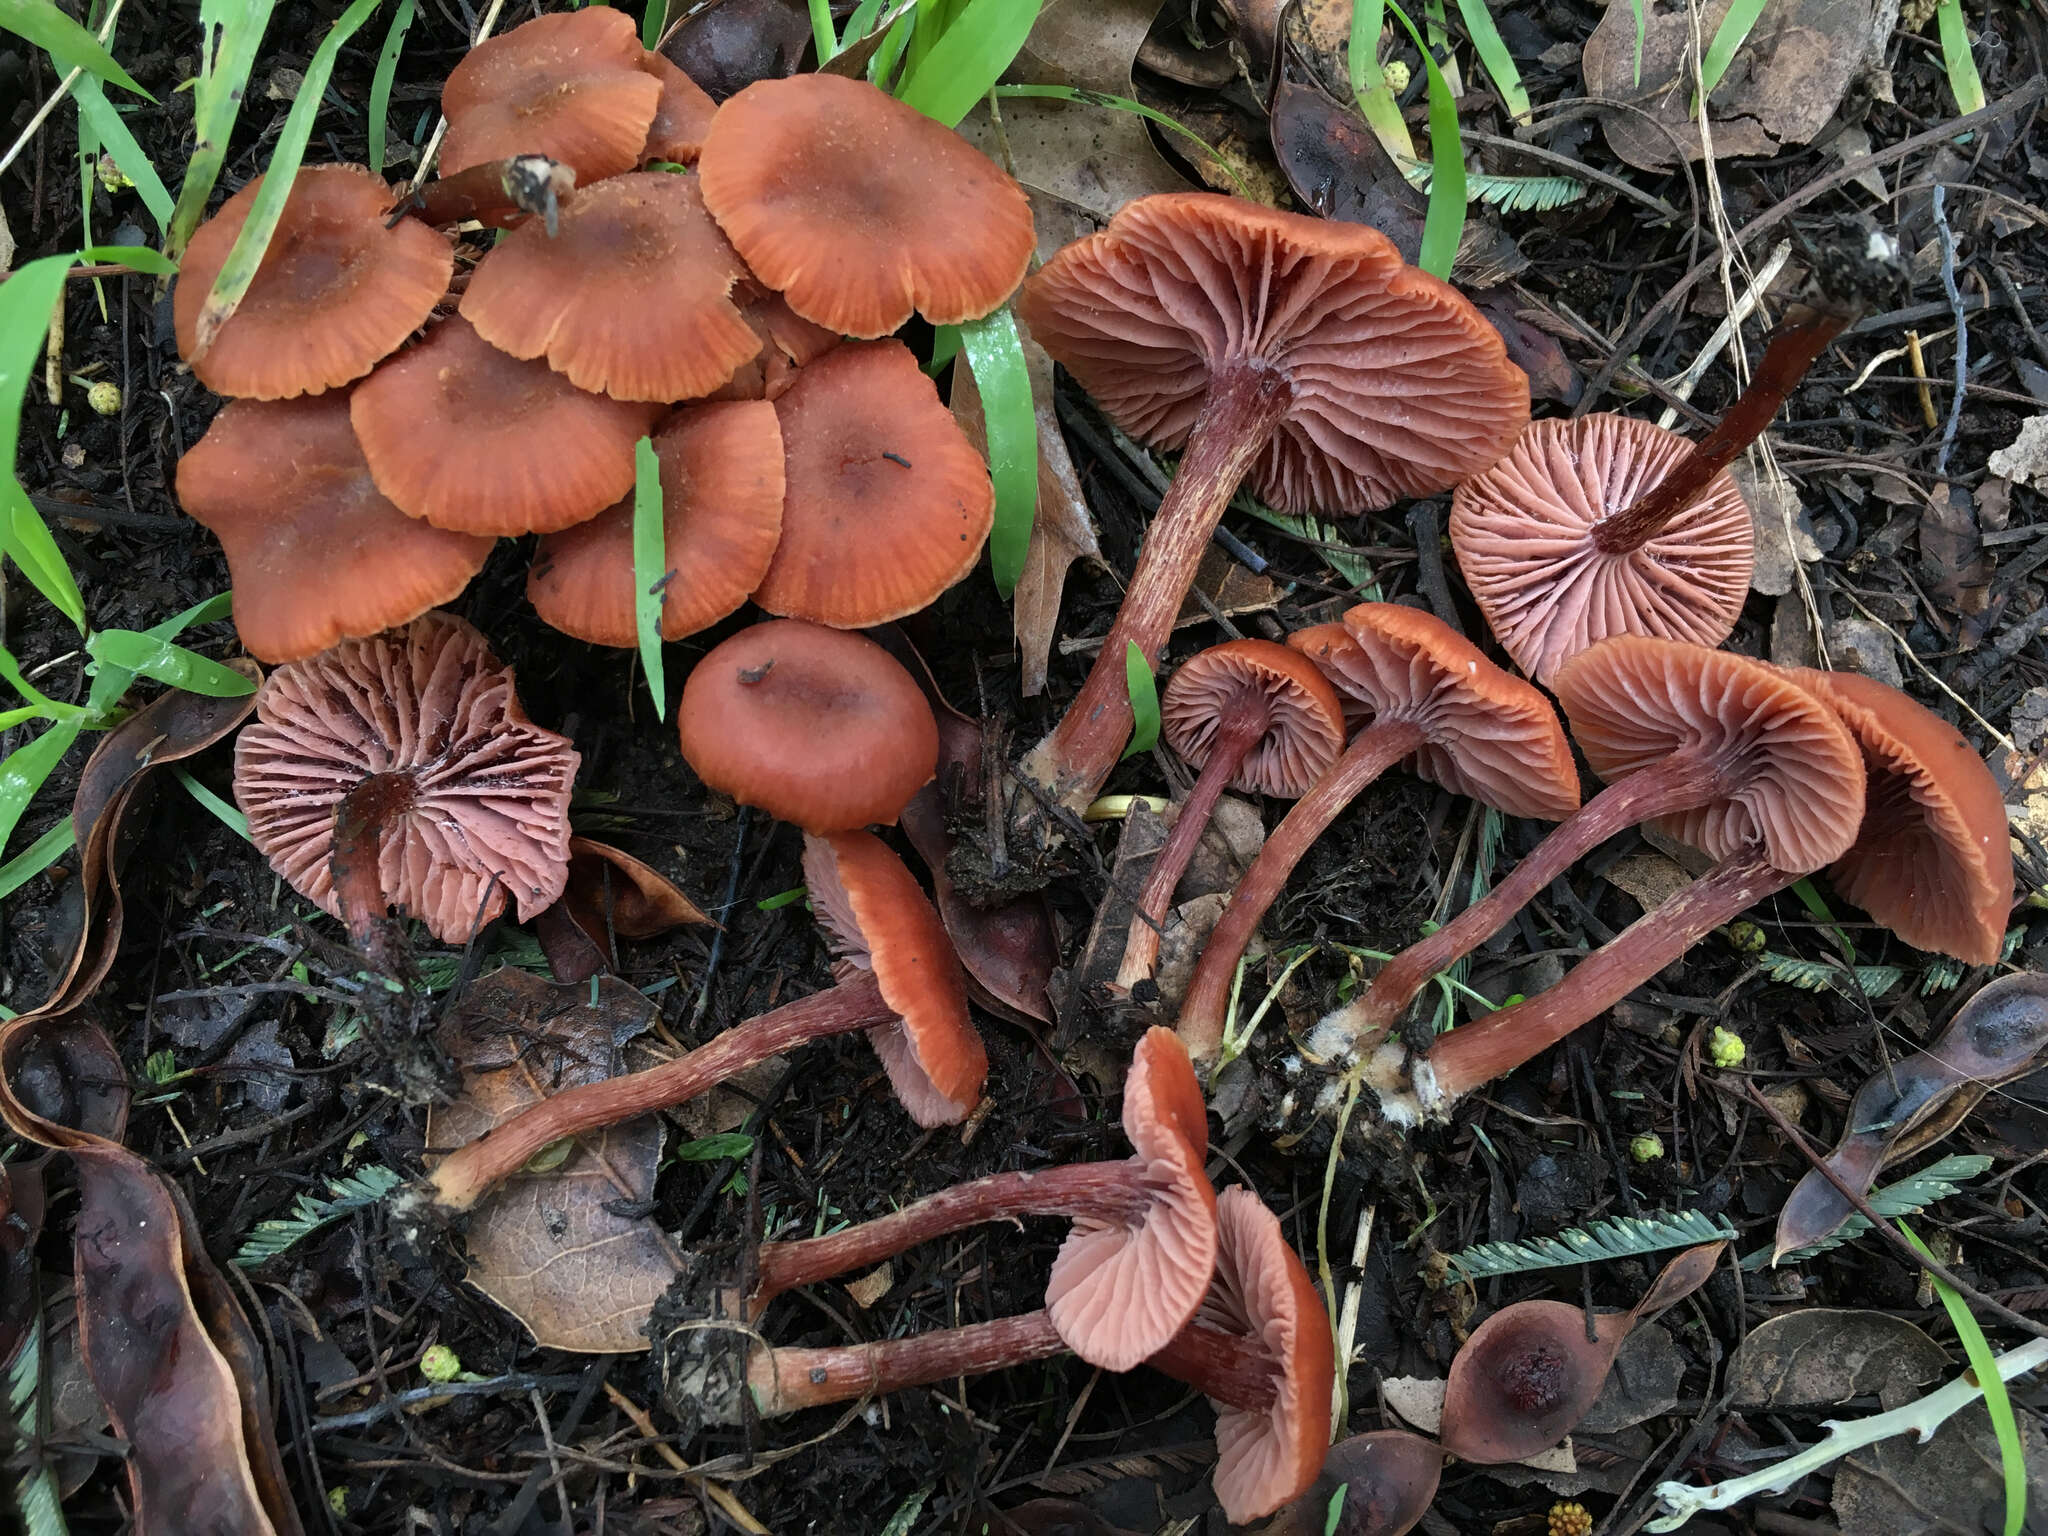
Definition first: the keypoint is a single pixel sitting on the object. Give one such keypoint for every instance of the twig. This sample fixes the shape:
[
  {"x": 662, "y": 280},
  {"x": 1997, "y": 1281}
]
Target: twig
[
  {"x": 1955, "y": 304},
  {"x": 57, "y": 96},
  {"x": 1424, "y": 523}
]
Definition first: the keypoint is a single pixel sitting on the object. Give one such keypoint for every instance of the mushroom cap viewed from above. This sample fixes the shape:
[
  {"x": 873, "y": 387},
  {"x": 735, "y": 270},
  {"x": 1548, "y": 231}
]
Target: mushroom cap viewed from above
[
  {"x": 1397, "y": 385},
  {"x": 485, "y": 818},
  {"x": 571, "y": 86},
  {"x": 1633, "y": 701},
  {"x": 1524, "y": 535},
  {"x": 887, "y": 503},
  {"x": 681, "y": 118},
  {"x": 815, "y": 726},
  {"x": 880, "y": 920},
  {"x": 861, "y": 209},
  {"x": 316, "y": 553},
  {"x": 336, "y": 290},
  {"x": 1933, "y": 859},
  {"x": 1120, "y": 1289},
  {"x": 1305, "y": 724},
  {"x": 629, "y": 296},
  {"x": 721, "y": 494},
  {"x": 474, "y": 439}
]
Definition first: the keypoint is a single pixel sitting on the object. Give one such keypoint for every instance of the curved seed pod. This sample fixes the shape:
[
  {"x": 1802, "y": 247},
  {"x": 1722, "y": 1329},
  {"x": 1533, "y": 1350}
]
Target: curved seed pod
[{"x": 1388, "y": 1479}]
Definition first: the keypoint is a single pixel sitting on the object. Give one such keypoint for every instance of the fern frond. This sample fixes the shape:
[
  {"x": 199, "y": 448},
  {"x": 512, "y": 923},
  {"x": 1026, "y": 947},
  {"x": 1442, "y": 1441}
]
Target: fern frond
[
  {"x": 1811, "y": 975},
  {"x": 1908, "y": 1197},
  {"x": 1510, "y": 194},
  {"x": 36, "y": 1496},
  {"x": 350, "y": 1192},
  {"x": 1621, "y": 1238}
]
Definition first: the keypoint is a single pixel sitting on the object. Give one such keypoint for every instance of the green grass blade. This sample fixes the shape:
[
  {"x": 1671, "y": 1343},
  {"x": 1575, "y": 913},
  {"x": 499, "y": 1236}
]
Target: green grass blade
[
  {"x": 822, "y": 36},
  {"x": 254, "y": 239},
  {"x": 25, "y": 539},
  {"x": 968, "y": 58},
  {"x": 883, "y": 64},
  {"x": 379, "y": 108},
  {"x": 1122, "y": 104},
  {"x": 653, "y": 22},
  {"x": 1444, "y": 224},
  {"x": 650, "y": 568},
  {"x": 138, "y": 258},
  {"x": 206, "y": 612},
  {"x": 1997, "y": 1402},
  {"x": 1376, "y": 103},
  {"x": 173, "y": 665},
  {"x": 64, "y": 40},
  {"x": 1144, "y": 692},
  {"x": 25, "y": 768},
  {"x": 1728, "y": 39},
  {"x": 27, "y": 300},
  {"x": 231, "y": 35},
  {"x": 229, "y": 816},
  {"x": 861, "y": 22},
  {"x": 112, "y": 130},
  {"x": 997, "y": 356},
  {"x": 1636, "y": 7},
  {"x": 1955, "y": 54},
  {"x": 36, "y": 857},
  {"x": 1495, "y": 58}
]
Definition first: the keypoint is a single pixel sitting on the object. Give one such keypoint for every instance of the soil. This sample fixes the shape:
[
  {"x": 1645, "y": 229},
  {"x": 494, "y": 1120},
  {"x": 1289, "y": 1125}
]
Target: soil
[{"x": 271, "y": 1111}]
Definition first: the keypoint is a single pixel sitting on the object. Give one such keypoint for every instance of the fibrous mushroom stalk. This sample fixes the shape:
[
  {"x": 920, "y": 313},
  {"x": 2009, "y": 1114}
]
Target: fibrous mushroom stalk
[{"x": 786, "y": 1380}]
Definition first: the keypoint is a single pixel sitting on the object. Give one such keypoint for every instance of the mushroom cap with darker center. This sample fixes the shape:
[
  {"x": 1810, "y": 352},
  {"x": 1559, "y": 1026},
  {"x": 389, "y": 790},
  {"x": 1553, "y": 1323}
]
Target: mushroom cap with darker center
[
  {"x": 1524, "y": 1379},
  {"x": 682, "y": 116},
  {"x": 477, "y": 440},
  {"x": 1933, "y": 859},
  {"x": 485, "y": 815},
  {"x": 1524, "y": 535},
  {"x": 1304, "y": 729},
  {"x": 572, "y": 87},
  {"x": 1398, "y": 386},
  {"x": 1794, "y": 774},
  {"x": 1120, "y": 1289},
  {"x": 629, "y": 296},
  {"x": 336, "y": 290},
  {"x": 316, "y": 553},
  {"x": 813, "y": 725},
  {"x": 721, "y": 494},
  {"x": 861, "y": 209},
  {"x": 1487, "y": 735},
  {"x": 880, "y": 920},
  {"x": 887, "y": 503}
]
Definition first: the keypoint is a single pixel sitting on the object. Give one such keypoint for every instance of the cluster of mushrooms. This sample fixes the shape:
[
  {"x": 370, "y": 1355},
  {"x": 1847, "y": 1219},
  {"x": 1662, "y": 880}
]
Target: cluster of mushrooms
[{"x": 739, "y": 313}]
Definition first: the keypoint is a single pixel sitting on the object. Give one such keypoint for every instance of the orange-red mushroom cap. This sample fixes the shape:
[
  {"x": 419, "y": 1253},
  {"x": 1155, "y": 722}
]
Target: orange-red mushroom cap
[
  {"x": 316, "y": 553},
  {"x": 1306, "y": 720},
  {"x": 1523, "y": 531},
  {"x": 1487, "y": 734},
  {"x": 1398, "y": 386},
  {"x": 571, "y": 86},
  {"x": 721, "y": 495},
  {"x": 812, "y": 725},
  {"x": 681, "y": 118},
  {"x": 628, "y": 297},
  {"x": 861, "y": 209},
  {"x": 880, "y": 920},
  {"x": 336, "y": 290},
  {"x": 1119, "y": 1290},
  {"x": 1797, "y": 773},
  {"x": 474, "y": 439},
  {"x": 886, "y": 502},
  {"x": 1932, "y": 860}
]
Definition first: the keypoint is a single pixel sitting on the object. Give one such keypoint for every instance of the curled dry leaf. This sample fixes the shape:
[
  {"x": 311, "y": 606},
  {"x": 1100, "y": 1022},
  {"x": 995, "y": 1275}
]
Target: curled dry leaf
[
  {"x": 561, "y": 1246},
  {"x": 1388, "y": 1479},
  {"x": 610, "y": 893}
]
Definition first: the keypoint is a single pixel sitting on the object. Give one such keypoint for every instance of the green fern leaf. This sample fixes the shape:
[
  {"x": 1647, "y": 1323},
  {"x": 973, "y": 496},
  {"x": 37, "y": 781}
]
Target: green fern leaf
[
  {"x": 36, "y": 1497},
  {"x": 1908, "y": 1197},
  {"x": 1621, "y": 1238},
  {"x": 1872, "y": 981},
  {"x": 350, "y": 1192},
  {"x": 1510, "y": 194}
]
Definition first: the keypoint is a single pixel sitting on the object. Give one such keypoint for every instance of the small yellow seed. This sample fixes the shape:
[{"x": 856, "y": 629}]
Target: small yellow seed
[
  {"x": 1647, "y": 1148},
  {"x": 1725, "y": 1048},
  {"x": 1568, "y": 1517},
  {"x": 1397, "y": 76},
  {"x": 440, "y": 1363},
  {"x": 105, "y": 398}
]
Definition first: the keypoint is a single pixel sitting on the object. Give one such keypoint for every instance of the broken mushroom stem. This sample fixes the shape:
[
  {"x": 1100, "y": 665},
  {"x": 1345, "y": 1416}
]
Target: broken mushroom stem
[
  {"x": 466, "y": 1175},
  {"x": 1795, "y": 346},
  {"x": 497, "y": 193},
  {"x": 788, "y": 1380},
  {"x": 359, "y": 823},
  {"x": 1244, "y": 403}
]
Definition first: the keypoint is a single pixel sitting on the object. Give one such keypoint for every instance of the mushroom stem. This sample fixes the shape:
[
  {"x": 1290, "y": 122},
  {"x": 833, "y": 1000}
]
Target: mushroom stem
[
  {"x": 1232, "y": 744},
  {"x": 1372, "y": 752},
  {"x": 496, "y": 192},
  {"x": 1797, "y": 343},
  {"x": 1502, "y": 1041},
  {"x": 1224, "y": 1367},
  {"x": 1109, "y": 1192},
  {"x": 466, "y": 1175},
  {"x": 1680, "y": 782},
  {"x": 354, "y": 863},
  {"x": 1245, "y": 402},
  {"x": 786, "y": 1380}
]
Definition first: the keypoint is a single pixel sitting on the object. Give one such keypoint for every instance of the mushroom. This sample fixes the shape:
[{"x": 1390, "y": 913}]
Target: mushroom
[
  {"x": 1386, "y": 1480},
  {"x": 789, "y": 344},
  {"x": 1932, "y": 860},
  {"x": 887, "y": 503},
  {"x": 899, "y": 981},
  {"x": 721, "y": 494},
  {"x": 682, "y": 116},
  {"x": 1428, "y": 696},
  {"x": 812, "y": 725},
  {"x": 1144, "y": 1245},
  {"x": 1298, "y": 353},
  {"x": 1797, "y": 816},
  {"x": 1529, "y": 1373},
  {"x": 1608, "y": 526},
  {"x": 316, "y": 552},
  {"x": 471, "y": 797},
  {"x": 860, "y": 209},
  {"x": 1251, "y": 715},
  {"x": 474, "y": 439},
  {"x": 1711, "y": 734},
  {"x": 337, "y": 288},
  {"x": 629, "y": 297},
  {"x": 573, "y": 86}
]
